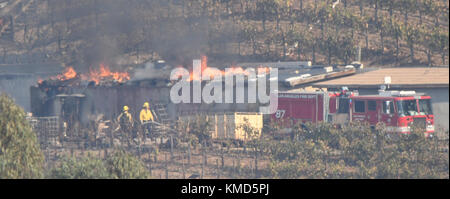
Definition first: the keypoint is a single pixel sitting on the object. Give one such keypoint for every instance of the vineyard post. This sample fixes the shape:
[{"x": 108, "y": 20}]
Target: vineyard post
[
  {"x": 111, "y": 139},
  {"x": 218, "y": 169},
  {"x": 205, "y": 158},
  {"x": 171, "y": 148},
  {"x": 166, "y": 166},
  {"x": 222, "y": 157},
  {"x": 203, "y": 166},
  {"x": 82, "y": 151},
  {"x": 234, "y": 166},
  {"x": 138, "y": 150},
  {"x": 150, "y": 169},
  {"x": 182, "y": 167},
  {"x": 256, "y": 162},
  {"x": 189, "y": 154},
  {"x": 239, "y": 163},
  {"x": 144, "y": 137}
]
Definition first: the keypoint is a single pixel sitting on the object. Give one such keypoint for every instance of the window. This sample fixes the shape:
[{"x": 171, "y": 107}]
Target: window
[
  {"x": 388, "y": 107},
  {"x": 372, "y": 105},
  {"x": 343, "y": 105},
  {"x": 360, "y": 106},
  {"x": 407, "y": 108},
  {"x": 425, "y": 107}
]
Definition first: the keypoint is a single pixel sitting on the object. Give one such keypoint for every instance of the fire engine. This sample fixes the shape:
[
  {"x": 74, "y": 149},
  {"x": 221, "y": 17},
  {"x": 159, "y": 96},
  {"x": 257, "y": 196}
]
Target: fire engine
[{"x": 398, "y": 110}]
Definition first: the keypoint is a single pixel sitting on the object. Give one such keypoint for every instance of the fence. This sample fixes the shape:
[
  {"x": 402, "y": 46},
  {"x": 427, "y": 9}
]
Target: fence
[{"x": 47, "y": 130}]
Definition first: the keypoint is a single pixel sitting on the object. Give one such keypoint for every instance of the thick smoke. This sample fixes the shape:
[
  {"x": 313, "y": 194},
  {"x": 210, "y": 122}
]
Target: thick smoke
[
  {"x": 109, "y": 29},
  {"x": 181, "y": 44}
]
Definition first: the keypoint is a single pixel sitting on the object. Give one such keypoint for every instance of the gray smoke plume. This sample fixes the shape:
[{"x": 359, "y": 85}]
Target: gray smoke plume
[{"x": 109, "y": 29}]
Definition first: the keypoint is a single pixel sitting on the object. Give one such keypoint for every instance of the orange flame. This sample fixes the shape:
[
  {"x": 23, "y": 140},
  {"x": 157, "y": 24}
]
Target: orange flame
[
  {"x": 104, "y": 73},
  {"x": 204, "y": 62},
  {"x": 69, "y": 73},
  {"x": 235, "y": 70}
]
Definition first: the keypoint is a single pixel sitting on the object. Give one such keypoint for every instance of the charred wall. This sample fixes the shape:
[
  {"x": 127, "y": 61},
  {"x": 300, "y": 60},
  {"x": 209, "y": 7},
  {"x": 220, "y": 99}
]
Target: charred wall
[
  {"x": 92, "y": 101},
  {"x": 88, "y": 102}
]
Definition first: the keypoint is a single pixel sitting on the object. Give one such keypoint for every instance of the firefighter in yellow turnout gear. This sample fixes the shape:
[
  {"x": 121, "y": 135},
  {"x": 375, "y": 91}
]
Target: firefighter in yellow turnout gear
[
  {"x": 146, "y": 116},
  {"x": 126, "y": 123},
  {"x": 125, "y": 117}
]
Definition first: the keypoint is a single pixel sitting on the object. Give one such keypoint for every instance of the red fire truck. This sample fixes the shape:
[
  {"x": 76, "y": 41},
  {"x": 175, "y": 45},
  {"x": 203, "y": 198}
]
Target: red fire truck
[{"x": 397, "y": 109}]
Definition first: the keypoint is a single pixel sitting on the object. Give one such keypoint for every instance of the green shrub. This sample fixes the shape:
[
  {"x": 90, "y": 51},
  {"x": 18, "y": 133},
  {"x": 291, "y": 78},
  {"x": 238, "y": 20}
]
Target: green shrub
[
  {"x": 80, "y": 168},
  {"x": 120, "y": 165},
  {"x": 356, "y": 151},
  {"x": 20, "y": 155}
]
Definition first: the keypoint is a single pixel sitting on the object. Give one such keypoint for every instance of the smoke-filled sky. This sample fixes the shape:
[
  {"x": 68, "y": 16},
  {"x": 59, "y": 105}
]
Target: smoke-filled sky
[{"x": 109, "y": 29}]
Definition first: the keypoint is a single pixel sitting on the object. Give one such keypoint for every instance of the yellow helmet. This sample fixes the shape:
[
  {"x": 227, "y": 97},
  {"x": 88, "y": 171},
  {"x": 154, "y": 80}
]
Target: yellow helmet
[
  {"x": 125, "y": 108},
  {"x": 146, "y": 105}
]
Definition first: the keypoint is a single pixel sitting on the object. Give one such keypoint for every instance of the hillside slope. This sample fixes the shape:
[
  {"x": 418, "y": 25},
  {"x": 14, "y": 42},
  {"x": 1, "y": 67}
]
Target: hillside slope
[{"x": 84, "y": 32}]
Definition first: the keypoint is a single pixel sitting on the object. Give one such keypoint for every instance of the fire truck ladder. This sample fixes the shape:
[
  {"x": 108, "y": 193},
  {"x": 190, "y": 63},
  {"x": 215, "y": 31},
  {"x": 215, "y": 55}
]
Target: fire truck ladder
[{"x": 161, "y": 112}]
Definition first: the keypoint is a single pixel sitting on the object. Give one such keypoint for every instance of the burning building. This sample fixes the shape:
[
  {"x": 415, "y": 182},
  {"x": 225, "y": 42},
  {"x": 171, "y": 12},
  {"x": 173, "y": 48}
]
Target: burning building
[{"x": 79, "y": 98}]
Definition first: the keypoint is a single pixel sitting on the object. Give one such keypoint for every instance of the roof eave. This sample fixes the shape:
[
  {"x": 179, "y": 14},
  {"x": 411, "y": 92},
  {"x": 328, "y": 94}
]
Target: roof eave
[{"x": 378, "y": 85}]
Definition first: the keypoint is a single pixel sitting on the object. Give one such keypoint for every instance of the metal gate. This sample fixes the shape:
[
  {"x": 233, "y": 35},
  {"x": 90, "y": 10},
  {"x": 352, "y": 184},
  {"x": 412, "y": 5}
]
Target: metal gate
[{"x": 47, "y": 130}]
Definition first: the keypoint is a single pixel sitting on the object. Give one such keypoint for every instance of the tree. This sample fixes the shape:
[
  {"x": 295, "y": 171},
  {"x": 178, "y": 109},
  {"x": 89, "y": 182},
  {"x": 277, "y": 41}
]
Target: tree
[
  {"x": 383, "y": 28},
  {"x": 396, "y": 31},
  {"x": 346, "y": 48},
  {"x": 323, "y": 15},
  {"x": 442, "y": 39},
  {"x": 301, "y": 39},
  {"x": 270, "y": 38},
  {"x": 376, "y": 4},
  {"x": 331, "y": 47},
  {"x": 20, "y": 155},
  {"x": 411, "y": 35},
  {"x": 283, "y": 7},
  {"x": 420, "y": 8},
  {"x": 267, "y": 9},
  {"x": 429, "y": 40},
  {"x": 282, "y": 38},
  {"x": 433, "y": 9},
  {"x": 250, "y": 34},
  {"x": 351, "y": 21},
  {"x": 390, "y": 5},
  {"x": 406, "y": 7}
]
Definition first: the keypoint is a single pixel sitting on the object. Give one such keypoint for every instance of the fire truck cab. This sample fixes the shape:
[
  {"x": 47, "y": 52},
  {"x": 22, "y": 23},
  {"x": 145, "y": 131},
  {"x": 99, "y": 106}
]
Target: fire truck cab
[{"x": 398, "y": 110}]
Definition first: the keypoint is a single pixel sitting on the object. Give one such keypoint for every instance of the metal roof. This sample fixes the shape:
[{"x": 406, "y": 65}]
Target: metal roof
[
  {"x": 293, "y": 64},
  {"x": 423, "y": 77}
]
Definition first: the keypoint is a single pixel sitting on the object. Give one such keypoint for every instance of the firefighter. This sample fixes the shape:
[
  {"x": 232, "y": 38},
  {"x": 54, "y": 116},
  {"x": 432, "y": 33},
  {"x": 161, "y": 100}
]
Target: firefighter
[
  {"x": 146, "y": 117},
  {"x": 125, "y": 120}
]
